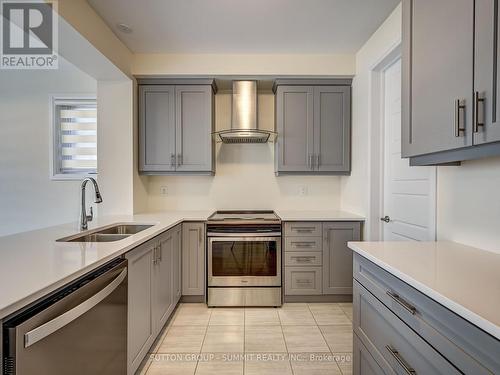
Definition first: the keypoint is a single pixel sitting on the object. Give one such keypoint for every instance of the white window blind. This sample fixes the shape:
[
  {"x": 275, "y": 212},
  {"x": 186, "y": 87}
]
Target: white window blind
[{"x": 75, "y": 136}]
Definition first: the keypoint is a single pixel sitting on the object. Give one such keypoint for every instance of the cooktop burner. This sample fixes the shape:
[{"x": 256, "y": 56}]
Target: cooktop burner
[{"x": 248, "y": 216}]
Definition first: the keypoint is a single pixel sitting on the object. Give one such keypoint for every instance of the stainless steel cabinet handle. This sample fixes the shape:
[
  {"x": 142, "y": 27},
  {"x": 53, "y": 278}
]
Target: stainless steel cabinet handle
[
  {"x": 172, "y": 160},
  {"x": 303, "y": 259},
  {"x": 179, "y": 160},
  {"x": 303, "y": 229},
  {"x": 477, "y": 123},
  {"x": 317, "y": 161},
  {"x": 310, "y": 161},
  {"x": 303, "y": 244},
  {"x": 154, "y": 255},
  {"x": 303, "y": 281},
  {"x": 55, "y": 324},
  {"x": 159, "y": 253},
  {"x": 401, "y": 361},
  {"x": 459, "y": 107},
  {"x": 407, "y": 306}
]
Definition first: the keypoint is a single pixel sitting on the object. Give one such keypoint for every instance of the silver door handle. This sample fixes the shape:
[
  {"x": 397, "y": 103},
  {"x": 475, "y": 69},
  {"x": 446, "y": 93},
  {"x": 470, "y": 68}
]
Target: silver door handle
[
  {"x": 55, "y": 324},
  {"x": 406, "y": 305},
  {"x": 179, "y": 160},
  {"x": 159, "y": 253},
  {"x": 303, "y": 244},
  {"x": 310, "y": 161},
  {"x": 154, "y": 254},
  {"x": 401, "y": 361},
  {"x": 478, "y": 100},
  {"x": 459, "y": 106},
  {"x": 317, "y": 160},
  {"x": 303, "y": 259}
]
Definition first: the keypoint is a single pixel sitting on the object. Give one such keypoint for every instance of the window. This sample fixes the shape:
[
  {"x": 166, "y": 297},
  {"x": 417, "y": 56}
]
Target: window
[{"x": 74, "y": 137}]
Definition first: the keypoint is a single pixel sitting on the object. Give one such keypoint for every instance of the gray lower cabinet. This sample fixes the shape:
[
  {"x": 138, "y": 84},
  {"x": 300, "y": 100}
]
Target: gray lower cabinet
[
  {"x": 403, "y": 329},
  {"x": 176, "y": 122},
  {"x": 177, "y": 260},
  {"x": 337, "y": 257},
  {"x": 317, "y": 260},
  {"x": 140, "y": 330},
  {"x": 363, "y": 362},
  {"x": 193, "y": 259},
  {"x": 450, "y": 115},
  {"x": 153, "y": 284},
  {"x": 313, "y": 122}
]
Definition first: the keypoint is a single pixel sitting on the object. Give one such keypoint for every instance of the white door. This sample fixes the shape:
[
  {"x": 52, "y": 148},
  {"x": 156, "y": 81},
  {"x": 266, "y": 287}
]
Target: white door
[{"x": 409, "y": 192}]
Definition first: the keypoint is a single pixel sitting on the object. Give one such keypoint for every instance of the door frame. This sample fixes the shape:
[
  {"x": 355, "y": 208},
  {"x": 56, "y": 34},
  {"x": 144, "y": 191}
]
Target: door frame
[{"x": 376, "y": 137}]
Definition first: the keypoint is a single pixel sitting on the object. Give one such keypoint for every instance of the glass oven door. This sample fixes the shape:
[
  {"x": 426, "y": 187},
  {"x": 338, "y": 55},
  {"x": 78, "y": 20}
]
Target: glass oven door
[{"x": 244, "y": 261}]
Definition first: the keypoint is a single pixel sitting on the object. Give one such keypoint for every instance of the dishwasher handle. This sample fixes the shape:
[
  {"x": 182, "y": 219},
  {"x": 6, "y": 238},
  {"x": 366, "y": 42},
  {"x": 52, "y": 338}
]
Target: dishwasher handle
[{"x": 62, "y": 320}]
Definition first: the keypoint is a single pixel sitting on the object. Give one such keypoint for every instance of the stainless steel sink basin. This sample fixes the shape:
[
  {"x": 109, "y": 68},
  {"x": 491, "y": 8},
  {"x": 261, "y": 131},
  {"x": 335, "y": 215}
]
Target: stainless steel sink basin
[
  {"x": 108, "y": 234},
  {"x": 127, "y": 229},
  {"x": 99, "y": 237}
]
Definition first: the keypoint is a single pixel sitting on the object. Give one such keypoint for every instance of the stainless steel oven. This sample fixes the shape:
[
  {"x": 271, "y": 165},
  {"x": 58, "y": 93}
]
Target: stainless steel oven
[{"x": 244, "y": 259}]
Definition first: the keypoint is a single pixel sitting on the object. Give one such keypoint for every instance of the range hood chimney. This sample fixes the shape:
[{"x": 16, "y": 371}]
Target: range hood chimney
[{"x": 244, "y": 127}]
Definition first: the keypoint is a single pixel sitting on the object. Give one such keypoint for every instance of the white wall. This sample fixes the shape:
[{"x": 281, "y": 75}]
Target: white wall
[
  {"x": 245, "y": 176},
  {"x": 355, "y": 189},
  {"x": 469, "y": 203},
  {"x": 29, "y": 199}
]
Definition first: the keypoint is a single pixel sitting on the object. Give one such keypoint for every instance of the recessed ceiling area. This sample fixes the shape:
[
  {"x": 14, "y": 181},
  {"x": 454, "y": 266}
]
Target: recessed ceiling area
[{"x": 240, "y": 27}]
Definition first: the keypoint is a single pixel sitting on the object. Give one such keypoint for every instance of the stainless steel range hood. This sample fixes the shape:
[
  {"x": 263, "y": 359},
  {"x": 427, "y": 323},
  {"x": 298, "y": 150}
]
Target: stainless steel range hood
[{"x": 244, "y": 127}]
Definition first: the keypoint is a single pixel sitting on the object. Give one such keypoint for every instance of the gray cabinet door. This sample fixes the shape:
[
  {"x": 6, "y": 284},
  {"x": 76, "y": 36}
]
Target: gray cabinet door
[
  {"x": 486, "y": 72},
  {"x": 193, "y": 124},
  {"x": 437, "y": 71},
  {"x": 140, "y": 331},
  {"x": 332, "y": 128},
  {"x": 177, "y": 264},
  {"x": 163, "y": 301},
  {"x": 337, "y": 257},
  {"x": 193, "y": 259},
  {"x": 302, "y": 280},
  {"x": 156, "y": 128},
  {"x": 294, "y": 122}
]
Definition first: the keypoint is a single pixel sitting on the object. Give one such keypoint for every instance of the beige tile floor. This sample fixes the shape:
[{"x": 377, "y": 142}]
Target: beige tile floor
[{"x": 296, "y": 339}]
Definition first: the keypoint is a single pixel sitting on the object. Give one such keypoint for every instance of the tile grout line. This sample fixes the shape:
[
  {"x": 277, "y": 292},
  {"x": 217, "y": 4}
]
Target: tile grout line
[
  {"x": 244, "y": 337},
  {"x": 324, "y": 338},
  {"x": 286, "y": 346},
  {"x": 203, "y": 341}
]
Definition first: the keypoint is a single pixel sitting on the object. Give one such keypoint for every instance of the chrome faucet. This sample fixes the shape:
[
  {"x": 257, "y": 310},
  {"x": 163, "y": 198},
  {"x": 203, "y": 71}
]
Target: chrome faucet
[{"x": 84, "y": 219}]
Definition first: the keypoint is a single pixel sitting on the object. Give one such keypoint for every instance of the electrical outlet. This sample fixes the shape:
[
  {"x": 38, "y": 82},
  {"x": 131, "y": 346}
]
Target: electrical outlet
[
  {"x": 303, "y": 191},
  {"x": 163, "y": 190}
]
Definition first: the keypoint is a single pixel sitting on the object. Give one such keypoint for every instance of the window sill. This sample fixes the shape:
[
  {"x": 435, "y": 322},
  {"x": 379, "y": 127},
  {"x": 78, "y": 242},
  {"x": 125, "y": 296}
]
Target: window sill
[{"x": 72, "y": 176}]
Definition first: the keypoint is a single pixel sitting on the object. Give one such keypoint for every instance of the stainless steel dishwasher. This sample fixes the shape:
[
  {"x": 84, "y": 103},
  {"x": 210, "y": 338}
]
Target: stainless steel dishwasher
[{"x": 80, "y": 329}]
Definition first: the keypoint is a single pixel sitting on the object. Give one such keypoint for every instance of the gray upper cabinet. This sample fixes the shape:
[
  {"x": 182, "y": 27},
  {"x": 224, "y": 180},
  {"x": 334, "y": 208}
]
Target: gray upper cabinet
[
  {"x": 313, "y": 123},
  {"x": 176, "y": 122},
  {"x": 194, "y": 128},
  {"x": 294, "y": 123},
  {"x": 157, "y": 128},
  {"x": 332, "y": 108},
  {"x": 337, "y": 257},
  {"x": 486, "y": 126},
  {"x": 449, "y": 81}
]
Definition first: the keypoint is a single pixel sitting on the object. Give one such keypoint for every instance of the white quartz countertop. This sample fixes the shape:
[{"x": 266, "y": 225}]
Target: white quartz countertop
[
  {"x": 319, "y": 215},
  {"x": 464, "y": 279},
  {"x": 33, "y": 264}
]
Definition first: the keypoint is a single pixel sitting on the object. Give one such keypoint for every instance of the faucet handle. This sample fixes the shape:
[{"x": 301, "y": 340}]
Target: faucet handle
[{"x": 91, "y": 216}]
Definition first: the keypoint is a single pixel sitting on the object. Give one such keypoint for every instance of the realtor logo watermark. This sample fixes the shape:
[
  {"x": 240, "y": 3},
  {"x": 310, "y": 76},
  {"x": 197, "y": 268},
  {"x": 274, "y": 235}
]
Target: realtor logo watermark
[{"x": 29, "y": 34}]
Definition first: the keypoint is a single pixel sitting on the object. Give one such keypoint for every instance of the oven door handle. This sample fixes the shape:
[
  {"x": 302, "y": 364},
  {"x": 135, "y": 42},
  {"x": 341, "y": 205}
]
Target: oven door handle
[{"x": 245, "y": 235}]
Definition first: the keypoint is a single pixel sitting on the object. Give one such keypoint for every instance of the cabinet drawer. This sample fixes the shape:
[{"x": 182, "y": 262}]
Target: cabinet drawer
[
  {"x": 362, "y": 361},
  {"x": 302, "y": 280},
  {"x": 470, "y": 349},
  {"x": 390, "y": 341},
  {"x": 303, "y": 228},
  {"x": 303, "y": 243},
  {"x": 303, "y": 258}
]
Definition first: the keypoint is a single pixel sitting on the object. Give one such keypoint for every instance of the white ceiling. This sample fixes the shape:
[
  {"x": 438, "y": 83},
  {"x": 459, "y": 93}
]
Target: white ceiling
[{"x": 245, "y": 26}]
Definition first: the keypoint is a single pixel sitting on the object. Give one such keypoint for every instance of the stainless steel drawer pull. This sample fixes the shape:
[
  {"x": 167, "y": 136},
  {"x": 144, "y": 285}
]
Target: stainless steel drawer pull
[
  {"x": 459, "y": 107},
  {"x": 400, "y": 361},
  {"x": 303, "y": 229},
  {"x": 303, "y": 244},
  {"x": 304, "y": 259},
  {"x": 303, "y": 281},
  {"x": 408, "y": 307},
  {"x": 172, "y": 160}
]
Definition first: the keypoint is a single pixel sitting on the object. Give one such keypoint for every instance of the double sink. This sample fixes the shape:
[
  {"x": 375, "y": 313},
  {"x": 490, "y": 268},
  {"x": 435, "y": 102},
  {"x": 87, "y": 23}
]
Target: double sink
[{"x": 112, "y": 233}]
